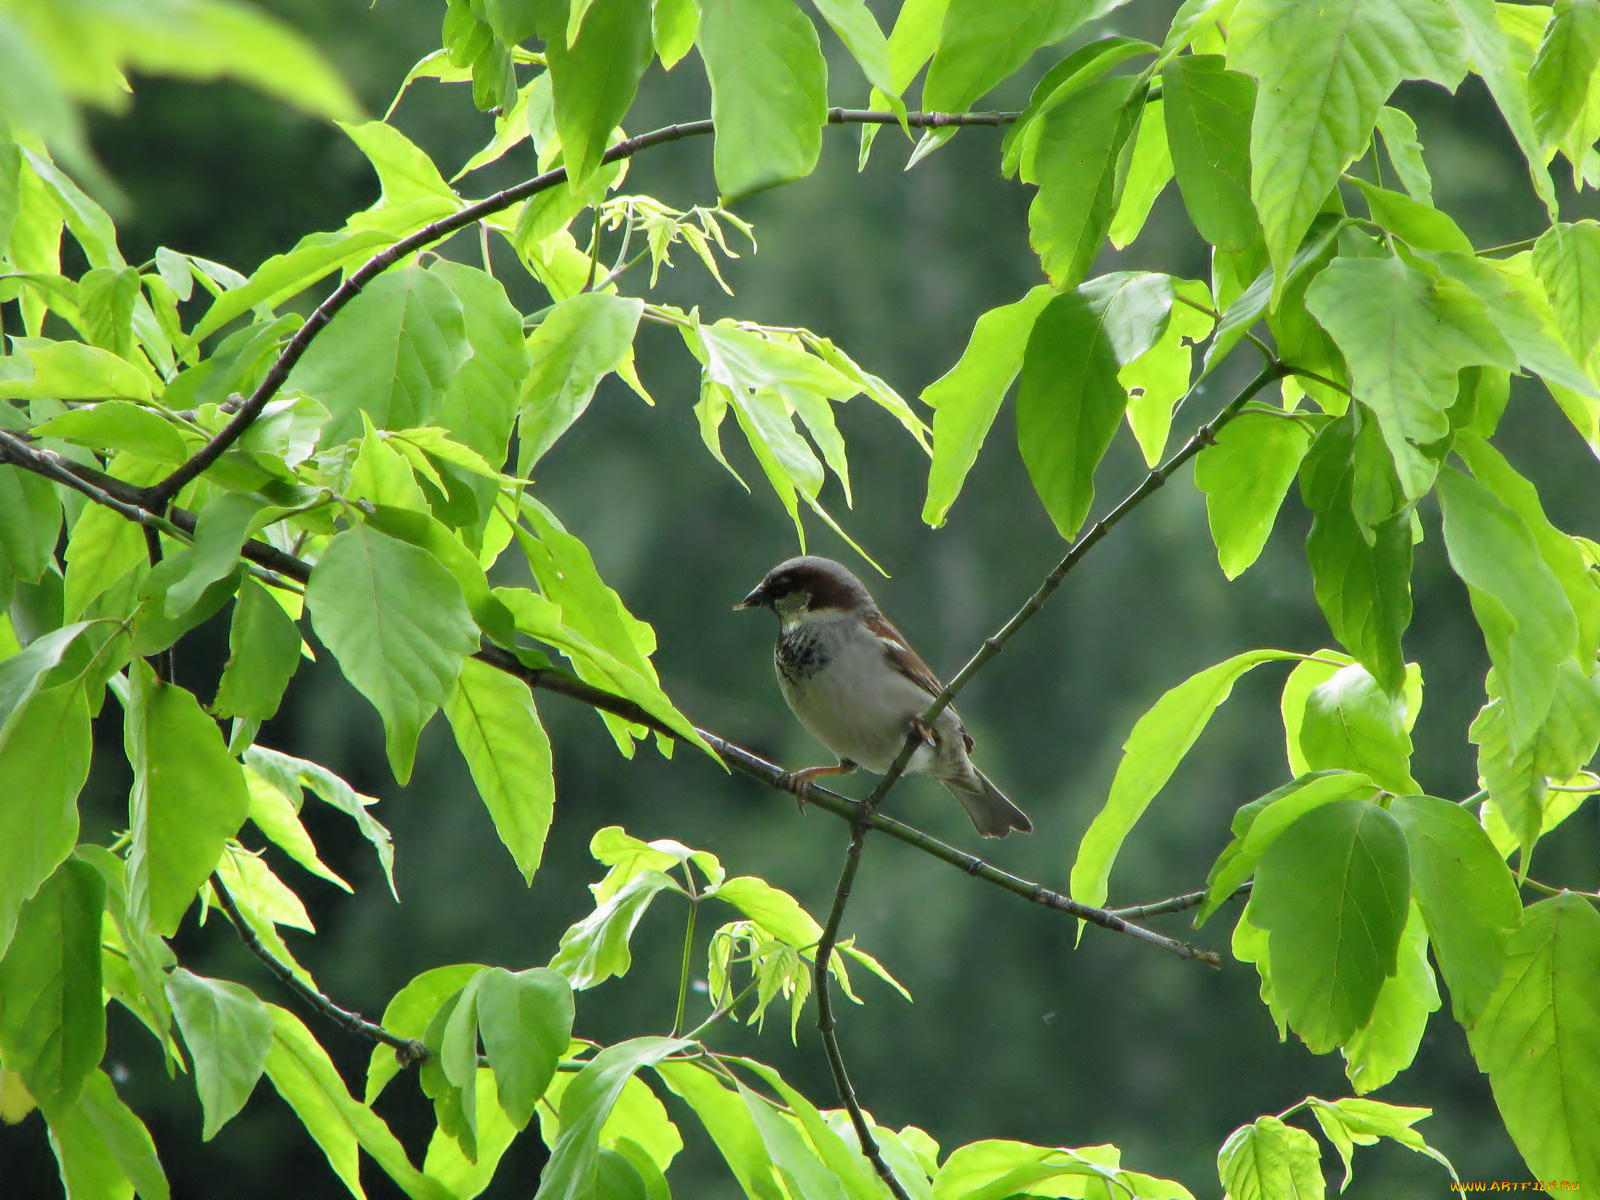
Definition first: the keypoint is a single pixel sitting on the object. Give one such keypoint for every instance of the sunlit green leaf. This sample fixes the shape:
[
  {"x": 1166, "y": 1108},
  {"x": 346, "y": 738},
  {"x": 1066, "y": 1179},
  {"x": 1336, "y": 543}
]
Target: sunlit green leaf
[
  {"x": 595, "y": 76},
  {"x": 1245, "y": 475},
  {"x": 1268, "y": 1160},
  {"x": 1388, "y": 1043},
  {"x": 580, "y": 342},
  {"x": 1208, "y": 112},
  {"x": 228, "y": 1032}
]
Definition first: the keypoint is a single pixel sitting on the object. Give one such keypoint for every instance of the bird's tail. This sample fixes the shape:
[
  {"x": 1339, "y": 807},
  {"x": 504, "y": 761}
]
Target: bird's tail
[{"x": 992, "y": 814}]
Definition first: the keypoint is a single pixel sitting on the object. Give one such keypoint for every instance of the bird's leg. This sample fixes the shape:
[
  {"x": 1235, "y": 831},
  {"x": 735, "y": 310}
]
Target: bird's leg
[
  {"x": 803, "y": 779},
  {"x": 924, "y": 731}
]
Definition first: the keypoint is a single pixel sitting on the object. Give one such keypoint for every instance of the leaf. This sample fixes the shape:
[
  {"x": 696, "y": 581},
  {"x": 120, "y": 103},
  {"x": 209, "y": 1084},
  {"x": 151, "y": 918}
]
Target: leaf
[
  {"x": 408, "y": 1014},
  {"x": 594, "y": 77},
  {"x": 1405, "y": 152},
  {"x": 730, "y": 1126},
  {"x": 1388, "y": 1043},
  {"x": 1527, "y": 620},
  {"x": 390, "y": 353},
  {"x": 115, "y": 425},
  {"x": 1152, "y": 752},
  {"x": 45, "y": 747},
  {"x": 1258, "y": 824},
  {"x": 103, "y": 1147},
  {"x": 967, "y": 397},
  {"x": 1563, "y": 69},
  {"x": 508, "y": 753},
  {"x": 53, "y": 1022},
  {"x": 1419, "y": 224},
  {"x": 1331, "y": 891},
  {"x": 1149, "y": 170},
  {"x": 1325, "y": 70},
  {"x": 1158, "y": 380},
  {"x": 1075, "y": 165},
  {"x": 1539, "y": 1039},
  {"x": 1070, "y": 401},
  {"x": 189, "y": 797},
  {"x": 480, "y": 401},
  {"x": 1245, "y": 475},
  {"x": 1350, "y": 722},
  {"x": 228, "y": 1032},
  {"x": 263, "y": 655},
  {"x": 769, "y": 88},
  {"x": 1468, "y": 897},
  {"x": 30, "y": 524},
  {"x": 72, "y": 370},
  {"x": 306, "y": 1079},
  {"x": 1268, "y": 1160},
  {"x": 773, "y": 909},
  {"x": 596, "y": 948},
  {"x": 1405, "y": 337},
  {"x": 291, "y": 775},
  {"x": 396, "y": 621},
  {"x": 580, "y": 342},
  {"x": 982, "y": 44},
  {"x": 574, "y": 1159},
  {"x": 526, "y": 1023},
  {"x": 858, "y": 29},
  {"x": 1207, "y": 110},
  {"x": 1364, "y": 1121},
  {"x": 1567, "y": 260}
]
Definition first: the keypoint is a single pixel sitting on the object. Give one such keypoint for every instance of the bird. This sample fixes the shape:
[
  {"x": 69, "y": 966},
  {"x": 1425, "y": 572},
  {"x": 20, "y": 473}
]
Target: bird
[{"x": 854, "y": 681}]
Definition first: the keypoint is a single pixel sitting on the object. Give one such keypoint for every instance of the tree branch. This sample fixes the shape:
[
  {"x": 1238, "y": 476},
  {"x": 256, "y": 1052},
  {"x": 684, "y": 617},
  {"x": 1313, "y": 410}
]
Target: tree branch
[
  {"x": 160, "y": 494},
  {"x": 407, "y": 1050}
]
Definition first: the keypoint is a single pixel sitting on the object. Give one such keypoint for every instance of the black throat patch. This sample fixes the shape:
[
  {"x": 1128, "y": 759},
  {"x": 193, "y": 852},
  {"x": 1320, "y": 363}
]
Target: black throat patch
[{"x": 800, "y": 653}]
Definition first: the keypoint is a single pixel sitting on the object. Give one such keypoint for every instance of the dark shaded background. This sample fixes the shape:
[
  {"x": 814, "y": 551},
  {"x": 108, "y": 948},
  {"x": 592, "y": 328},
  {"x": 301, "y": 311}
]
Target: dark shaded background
[{"x": 1014, "y": 1033}]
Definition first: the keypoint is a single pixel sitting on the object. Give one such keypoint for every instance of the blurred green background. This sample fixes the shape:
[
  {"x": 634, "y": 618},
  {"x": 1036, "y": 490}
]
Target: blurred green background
[{"x": 1014, "y": 1032}]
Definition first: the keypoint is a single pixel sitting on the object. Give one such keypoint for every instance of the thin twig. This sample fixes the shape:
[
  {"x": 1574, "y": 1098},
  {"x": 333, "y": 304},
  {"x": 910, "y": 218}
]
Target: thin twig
[
  {"x": 1174, "y": 904},
  {"x": 159, "y": 494},
  {"x": 407, "y": 1050}
]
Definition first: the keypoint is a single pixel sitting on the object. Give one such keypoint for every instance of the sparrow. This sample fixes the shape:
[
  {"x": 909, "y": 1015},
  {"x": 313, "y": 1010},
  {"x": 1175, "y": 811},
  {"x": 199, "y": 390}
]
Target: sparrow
[{"x": 853, "y": 681}]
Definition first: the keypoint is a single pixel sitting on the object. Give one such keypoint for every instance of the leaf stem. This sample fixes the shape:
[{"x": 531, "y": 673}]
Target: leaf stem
[{"x": 688, "y": 951}]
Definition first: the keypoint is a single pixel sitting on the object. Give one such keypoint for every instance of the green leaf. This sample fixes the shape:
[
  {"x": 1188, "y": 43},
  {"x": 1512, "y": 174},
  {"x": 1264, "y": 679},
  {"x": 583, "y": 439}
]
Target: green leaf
[
  {"x": 1468, "y": 897},
  {"x": 1325, "y": 70},
  {"x": 308, "y": 1082},
  {"x": 448, "y": 1163},
  {"x": 118, "y": 425},
  {"x": 1361, "y": 577},
  {"x": 1527, "y": 620},
  {"x": 395, "y": 619},
  {"x": 1388, "y": 1043},
  {"x": 1418, "y": 223},
  {"x": 408, "y": 1014},
  {"x": 982, "y": 44},
  {"x": 1070, "y": 401},
  {"x": 104, "y": 1148},
  {"x": 1518, "y": 777},
  {"x": 1074, "y": 162},
  {"x": 1405, "y": 336},
  {"x": 1158, "y": 380},
  {"x": 1350, "y": 722},
  {"x": 596, "y": 948},
  {"x": 53, "y": 1022},
  {"x": 1405, "y": 152},
  {"x": 1331, "y": 891},
  {"x": 508, "y": 753},
  {"x": 1245, "y": 475},
  {"x": 773, "y": 909},
  {"x": 189, "y": 797},
  {"x": 291, "y": 775},
  {"x": 594, "y": 78},
  {"x": 1362, "y": 1122},
  {"x": 30, "y": 523},
  {"x": 44, "y": 760},
  {"x": 390, "y": 353},
  {"x": 575, "y": 1157},
  {"x": 1258, "y": 824},
  {"x": 1152, "y": 752},
  {"x": 406, "y": 175},
  {"x": 480, "y": 401},
  {"x": 580, "y": 342},
  {"x": 1269, "y": 1160},
  {"x": 1563, "y": 69},
  {"x": 1149, "y": 170},
  {"x": 967, "y": 397},
  {"x": 1208, "y": 131},
  {"x": 263, "y": 654},
  {"x": 673, "y": 25},
  {"x": 858, "y": 29},
  {"x": 1539, "y": 1039},
  {"x": 104, "y": 545},
  {"x": 1567, "y": 260},
  {"x": 71, "y": 370},
  {"x": 730, "y": 1126},
  {"x": 769, "y": 88},
  {"x": 228, "y": 1032},
  {"x": 526, "y": 1023}
]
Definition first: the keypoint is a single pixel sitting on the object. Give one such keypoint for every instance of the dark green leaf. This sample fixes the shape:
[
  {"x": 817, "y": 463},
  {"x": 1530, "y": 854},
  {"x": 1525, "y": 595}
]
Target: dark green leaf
[
  {"x": 30, "y": 523},
  {"x": 53, "y": 1021},
  {"x": 526, "y": 1023},
  {"x": 263, "y": 654},
  {"x": 189, "y": 797},
  {"x": 1387, "y": 1044},
  {"x": 769, "y": 88},
  {"x": 1350, "y": 722},
  {"x": 395, "y": 619},
  {"x": 1332, "y": 892}
]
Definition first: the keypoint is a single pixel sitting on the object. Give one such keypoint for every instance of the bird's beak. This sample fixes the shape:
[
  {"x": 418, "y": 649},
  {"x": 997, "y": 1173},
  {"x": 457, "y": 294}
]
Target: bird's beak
[{"x": 756, "y": 599}]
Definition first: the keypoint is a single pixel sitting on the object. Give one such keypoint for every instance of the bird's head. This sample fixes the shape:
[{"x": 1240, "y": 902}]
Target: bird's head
[{"x": 808, "y": 585}]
